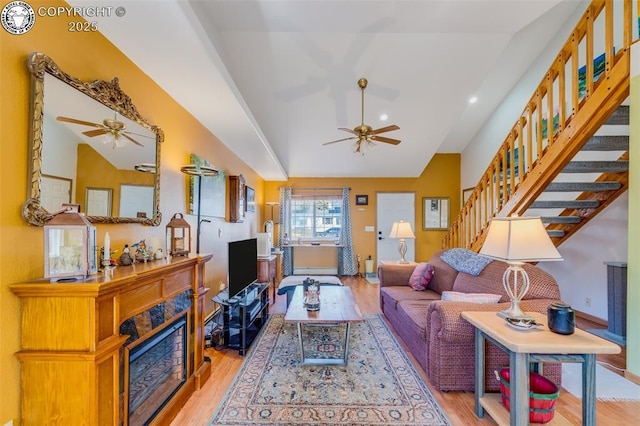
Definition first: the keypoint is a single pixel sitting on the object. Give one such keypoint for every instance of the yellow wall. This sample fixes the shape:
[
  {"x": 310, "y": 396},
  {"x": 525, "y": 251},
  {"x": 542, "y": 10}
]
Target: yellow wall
[
  {"x": 89, "y": 56},
  {"x": 441, "y": 178}
]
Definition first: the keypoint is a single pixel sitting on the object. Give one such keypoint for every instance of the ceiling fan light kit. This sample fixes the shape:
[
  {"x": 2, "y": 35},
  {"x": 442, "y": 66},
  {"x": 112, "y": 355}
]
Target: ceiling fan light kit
[
  {"x": 111, "y": 130},
  {"x": 364, "y": 135}
]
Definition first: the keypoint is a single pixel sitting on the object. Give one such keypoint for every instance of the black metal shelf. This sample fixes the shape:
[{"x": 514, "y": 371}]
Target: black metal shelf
[{"x": 243, "y": 319}]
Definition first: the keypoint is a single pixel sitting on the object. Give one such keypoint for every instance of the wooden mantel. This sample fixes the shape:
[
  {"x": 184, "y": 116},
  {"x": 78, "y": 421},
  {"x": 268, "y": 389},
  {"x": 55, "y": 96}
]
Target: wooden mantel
[{"x": 71, "y": 344}]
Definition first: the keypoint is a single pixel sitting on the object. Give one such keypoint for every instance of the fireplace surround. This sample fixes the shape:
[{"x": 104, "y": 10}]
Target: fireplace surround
[{"x": 73, "y": 345}]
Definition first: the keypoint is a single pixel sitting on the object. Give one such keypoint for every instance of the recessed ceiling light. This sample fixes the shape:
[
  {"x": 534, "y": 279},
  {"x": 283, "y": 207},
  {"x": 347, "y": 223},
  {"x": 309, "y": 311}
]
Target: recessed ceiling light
[
  {"x": 473, "y": 100},
  {"x": 384, "y": 117}
]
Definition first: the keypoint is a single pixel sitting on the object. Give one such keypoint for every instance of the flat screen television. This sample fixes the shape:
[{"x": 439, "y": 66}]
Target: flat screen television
[{"x": 243, "y": 264}]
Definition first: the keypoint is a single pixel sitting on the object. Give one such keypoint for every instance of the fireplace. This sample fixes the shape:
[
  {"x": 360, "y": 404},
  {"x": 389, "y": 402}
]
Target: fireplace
[
  {"x": 157, "y": 368},
  {"x": 84, "y": 333}
]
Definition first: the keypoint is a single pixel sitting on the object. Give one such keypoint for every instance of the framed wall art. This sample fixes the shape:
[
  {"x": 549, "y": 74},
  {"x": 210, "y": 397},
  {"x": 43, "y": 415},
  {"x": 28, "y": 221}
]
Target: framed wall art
[
  {"x": 362, "y": 200},
  {"x": 435, "y": 213},
  {"x": 214, "y": 191},
  {"x": 250, "y": 199}
]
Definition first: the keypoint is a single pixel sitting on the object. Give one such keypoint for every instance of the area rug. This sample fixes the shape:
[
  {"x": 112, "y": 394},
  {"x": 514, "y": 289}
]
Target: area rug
[
  {"x": 609, "y": 385},
  {"x": 379, "y": 386}
]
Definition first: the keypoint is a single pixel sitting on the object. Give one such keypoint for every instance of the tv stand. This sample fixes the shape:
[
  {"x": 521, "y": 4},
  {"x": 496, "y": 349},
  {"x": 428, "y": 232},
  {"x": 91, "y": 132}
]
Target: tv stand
[{"x": 244, "y": 316}]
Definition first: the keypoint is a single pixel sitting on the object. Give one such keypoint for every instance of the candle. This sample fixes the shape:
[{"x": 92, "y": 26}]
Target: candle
[{"x": 107, "y": 247}]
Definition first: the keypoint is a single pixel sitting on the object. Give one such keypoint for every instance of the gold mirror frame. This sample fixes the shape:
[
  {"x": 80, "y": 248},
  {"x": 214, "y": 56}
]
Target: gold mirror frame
[{"x": 108, "y": 94}]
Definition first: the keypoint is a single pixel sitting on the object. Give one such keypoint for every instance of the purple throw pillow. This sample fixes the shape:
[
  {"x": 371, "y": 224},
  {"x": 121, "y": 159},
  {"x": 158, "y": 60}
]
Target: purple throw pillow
[{"x": 421, "y": 276}]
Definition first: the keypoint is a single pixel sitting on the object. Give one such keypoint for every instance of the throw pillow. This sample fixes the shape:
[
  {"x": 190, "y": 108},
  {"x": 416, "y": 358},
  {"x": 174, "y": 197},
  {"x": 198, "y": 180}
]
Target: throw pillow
[
  {"x": 463, "y": 260},
  {"x": 421, "y": 276},
  {"x": 456, "y": 296}
]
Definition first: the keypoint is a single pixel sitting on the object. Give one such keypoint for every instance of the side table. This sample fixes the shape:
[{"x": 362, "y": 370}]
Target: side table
[{"x": 533, "y": 346}]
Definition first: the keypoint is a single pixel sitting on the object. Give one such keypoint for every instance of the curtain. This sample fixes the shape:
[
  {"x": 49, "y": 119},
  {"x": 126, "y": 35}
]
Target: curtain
[
  {"x": 285, "y": 230},
  {"x": 346, "y": 261}
]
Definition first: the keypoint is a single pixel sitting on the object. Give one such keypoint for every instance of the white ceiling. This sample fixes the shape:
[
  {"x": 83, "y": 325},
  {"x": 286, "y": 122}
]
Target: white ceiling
[{"x": 274, "y": 79}]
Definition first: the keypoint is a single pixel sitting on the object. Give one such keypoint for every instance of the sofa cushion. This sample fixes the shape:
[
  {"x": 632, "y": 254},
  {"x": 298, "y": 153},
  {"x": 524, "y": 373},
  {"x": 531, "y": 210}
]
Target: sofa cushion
[
  {"x": 393, "y": 294},
  {"x": 444, "y": 275},
  {"x": 541, "y": 286},
  {"x": 421, "y": 276},
  {"x": 413, "y": 314},
  {"x": 456, "y": 296},
  {"x": 463, "y": 260}
]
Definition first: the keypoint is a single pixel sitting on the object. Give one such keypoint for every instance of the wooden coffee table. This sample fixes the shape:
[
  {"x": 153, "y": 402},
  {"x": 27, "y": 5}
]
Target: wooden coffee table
[{"x": 337, "y": 308}]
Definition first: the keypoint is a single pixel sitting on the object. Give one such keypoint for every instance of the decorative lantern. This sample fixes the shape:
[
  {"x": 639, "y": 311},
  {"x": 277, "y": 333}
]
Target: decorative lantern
[
  {"x": 70, "y": 250},
  {"x": 178, "y": 236}
]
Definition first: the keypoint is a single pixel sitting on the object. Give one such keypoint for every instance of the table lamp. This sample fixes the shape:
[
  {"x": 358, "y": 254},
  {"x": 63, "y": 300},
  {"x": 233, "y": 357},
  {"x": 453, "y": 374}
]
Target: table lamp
[
  {"x": 402, "y": 230},
  {"x": 517, "y": 240}
]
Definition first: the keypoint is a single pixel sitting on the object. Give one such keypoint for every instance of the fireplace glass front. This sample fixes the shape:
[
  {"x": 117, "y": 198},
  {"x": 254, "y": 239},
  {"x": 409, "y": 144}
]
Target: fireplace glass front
[{"x": 157, "y": 369}]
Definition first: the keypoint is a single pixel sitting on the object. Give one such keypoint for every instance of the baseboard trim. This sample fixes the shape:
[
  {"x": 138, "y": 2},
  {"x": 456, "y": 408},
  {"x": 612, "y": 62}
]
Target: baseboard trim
[
  {"x": 592, "y": 318},
  {"x": 315, "y": 271},
  {"x": 632, "y": 377}
]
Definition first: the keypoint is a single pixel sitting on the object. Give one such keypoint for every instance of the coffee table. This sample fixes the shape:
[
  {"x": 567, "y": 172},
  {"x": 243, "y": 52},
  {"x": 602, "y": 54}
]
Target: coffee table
[{"x": 337, "y": 308}]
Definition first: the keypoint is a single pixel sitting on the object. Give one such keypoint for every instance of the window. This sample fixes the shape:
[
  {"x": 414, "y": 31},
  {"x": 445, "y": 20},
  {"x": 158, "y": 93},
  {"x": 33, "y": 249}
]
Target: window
[{"x": 316, "y": 216}]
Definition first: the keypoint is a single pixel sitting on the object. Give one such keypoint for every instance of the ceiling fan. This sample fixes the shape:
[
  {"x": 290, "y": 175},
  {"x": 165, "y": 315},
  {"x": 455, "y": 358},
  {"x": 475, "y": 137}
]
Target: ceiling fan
[
  {"x": 113, "y": 127},
  {"x": 364, "y": 135}
]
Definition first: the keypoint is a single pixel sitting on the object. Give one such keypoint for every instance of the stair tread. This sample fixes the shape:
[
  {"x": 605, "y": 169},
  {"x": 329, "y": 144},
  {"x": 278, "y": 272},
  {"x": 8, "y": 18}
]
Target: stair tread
[
  {"x": 559, "y": 204},
  {"x": 582, "y": 186},
  {"x": 619, "y": 116},
  {"x": 607, "y": 143},
  {"x": 561, "y": 219},
  {"x": 596, "y": 166},
  {"x": 555, "y": 233}
]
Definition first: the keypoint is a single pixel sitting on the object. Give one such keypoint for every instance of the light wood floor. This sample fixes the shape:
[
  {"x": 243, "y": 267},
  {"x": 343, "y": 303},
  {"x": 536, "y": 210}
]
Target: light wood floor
[{"x": 459, "y": 406}]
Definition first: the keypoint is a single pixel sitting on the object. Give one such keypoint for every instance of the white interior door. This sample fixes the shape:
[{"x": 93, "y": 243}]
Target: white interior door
[
  {"x": 136, "y": 200},
  {"x": 394, "y": 207},
  {"x": 54, "y": 192},
  {"x": 98, "y": 202}
]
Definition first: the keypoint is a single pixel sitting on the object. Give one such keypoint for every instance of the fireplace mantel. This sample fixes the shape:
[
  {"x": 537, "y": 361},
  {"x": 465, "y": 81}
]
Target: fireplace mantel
[{"x": 71, "y": 346}]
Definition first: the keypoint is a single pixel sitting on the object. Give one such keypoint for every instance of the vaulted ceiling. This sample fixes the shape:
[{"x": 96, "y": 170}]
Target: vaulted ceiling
[{"x": 275, "y": 79}]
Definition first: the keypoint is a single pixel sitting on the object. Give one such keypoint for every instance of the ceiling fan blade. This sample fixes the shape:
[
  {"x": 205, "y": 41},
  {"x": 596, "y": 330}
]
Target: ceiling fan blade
[
  {"x": 75, "y": 121},
  {"x": 339, "y": 140},
  {"x": 139, "y": 134},
  {"x": 385, "y": 140},
  {"x": 97, "y": 132},
  {"x": 132, "y": 140},
  {"x": 385, "y": 129},
  {"x": 347, "y": 130}
]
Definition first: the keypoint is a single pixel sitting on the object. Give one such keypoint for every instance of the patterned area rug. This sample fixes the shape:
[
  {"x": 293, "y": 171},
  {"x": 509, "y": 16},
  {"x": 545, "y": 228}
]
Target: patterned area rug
[{"x": 379, "y": 386}]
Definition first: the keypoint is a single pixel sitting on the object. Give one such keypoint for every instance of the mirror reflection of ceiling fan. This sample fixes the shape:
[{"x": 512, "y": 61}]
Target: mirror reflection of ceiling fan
[
  {"x": 109, "y": 127},
  {"x": 365, "y": 136}
]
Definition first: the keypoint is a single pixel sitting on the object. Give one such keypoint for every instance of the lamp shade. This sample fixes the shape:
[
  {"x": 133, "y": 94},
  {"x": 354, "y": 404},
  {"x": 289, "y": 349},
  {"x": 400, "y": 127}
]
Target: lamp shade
[
  {"x": 519, "y": 239},
  {"x": 401, "y": 230}
]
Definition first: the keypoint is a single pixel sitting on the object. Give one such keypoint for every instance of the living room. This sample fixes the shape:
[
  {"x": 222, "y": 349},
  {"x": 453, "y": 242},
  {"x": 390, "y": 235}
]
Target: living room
[{"x": 185, "y": 135}]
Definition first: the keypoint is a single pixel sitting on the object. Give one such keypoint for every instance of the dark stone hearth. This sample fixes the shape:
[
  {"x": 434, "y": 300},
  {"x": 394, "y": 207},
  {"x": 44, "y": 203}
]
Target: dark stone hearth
[
  {"x": 129, "y": 327},
  {"x": 157, "y": 315},
  {"x": 146, "y": 321}
]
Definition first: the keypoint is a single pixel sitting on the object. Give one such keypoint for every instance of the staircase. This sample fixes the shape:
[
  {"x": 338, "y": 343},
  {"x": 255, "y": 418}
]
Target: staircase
[
  {"x": 560, "y": 161},
  {"x": 576, "y": 193}
]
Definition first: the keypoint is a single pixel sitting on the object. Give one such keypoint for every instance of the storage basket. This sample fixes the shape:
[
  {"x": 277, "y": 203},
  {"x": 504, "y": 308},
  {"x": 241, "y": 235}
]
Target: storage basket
[{"x": 543, "y": 394}]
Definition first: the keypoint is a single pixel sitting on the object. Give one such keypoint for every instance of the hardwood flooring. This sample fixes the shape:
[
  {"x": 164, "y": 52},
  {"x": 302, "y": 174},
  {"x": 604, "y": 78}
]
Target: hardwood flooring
[{"x": 459, "y": 406}]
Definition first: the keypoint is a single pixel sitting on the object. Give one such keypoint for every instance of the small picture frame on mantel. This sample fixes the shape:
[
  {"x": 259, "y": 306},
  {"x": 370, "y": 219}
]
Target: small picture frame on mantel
[{"x": 362, "y": 200}]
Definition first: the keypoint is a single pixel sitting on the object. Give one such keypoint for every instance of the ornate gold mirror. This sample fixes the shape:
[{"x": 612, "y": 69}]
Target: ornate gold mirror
[{"x": 89, "y": 146}]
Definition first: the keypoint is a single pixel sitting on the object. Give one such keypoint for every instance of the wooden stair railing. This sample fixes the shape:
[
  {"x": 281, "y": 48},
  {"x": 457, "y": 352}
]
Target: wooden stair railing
[{"x": 577, "y": 95}]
